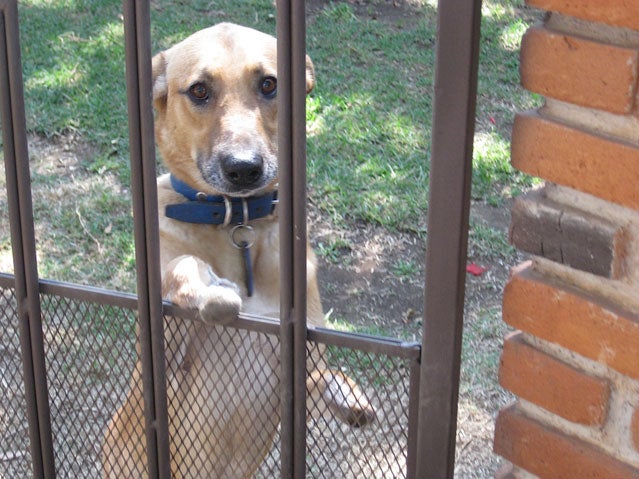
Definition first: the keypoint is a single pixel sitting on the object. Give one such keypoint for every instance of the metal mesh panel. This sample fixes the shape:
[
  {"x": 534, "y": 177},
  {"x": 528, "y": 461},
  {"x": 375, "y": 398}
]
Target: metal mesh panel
[
  {"x": 15, "y": 456},
  {"x": 378, "y": 450},
  {"x": 223, "y": 392},
  {"x": 90, "y": 350},
  {"x": 224, "y": 383}
]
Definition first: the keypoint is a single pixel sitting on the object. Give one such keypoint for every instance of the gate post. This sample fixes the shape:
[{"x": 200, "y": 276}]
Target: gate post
[
  {"x": 137, "y": 29},
  {"x": 449, "y": 203},
  {"x": 291, "y": 65},
  {"x": 27, "y": 289}
]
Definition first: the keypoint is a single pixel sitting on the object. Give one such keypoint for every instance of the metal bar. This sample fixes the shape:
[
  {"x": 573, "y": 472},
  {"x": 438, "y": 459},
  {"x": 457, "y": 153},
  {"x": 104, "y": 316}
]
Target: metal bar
[
  {"x": 89, "y": 294},
  {"x": 291, "y": 31},
  {"x": 154, "y": 273},
  {"x": 24, "y": 246},
  {"x": 250, "y": 322},
  {"x": 18, "y": 281},
  {"x": 285, "y": 212},
  {"x": 413, "y": 414},
  {"x": 298, "y": 133},
  {"x": 452, "y": 144},
  {"x": 6, "y": 280},
  {"x": 365, "y": 342},
  {"x": 144, "y": 196}
]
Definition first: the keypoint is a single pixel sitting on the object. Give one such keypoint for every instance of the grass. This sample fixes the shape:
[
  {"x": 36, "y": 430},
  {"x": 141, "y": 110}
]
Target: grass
[{"x": 368, "y": 118}]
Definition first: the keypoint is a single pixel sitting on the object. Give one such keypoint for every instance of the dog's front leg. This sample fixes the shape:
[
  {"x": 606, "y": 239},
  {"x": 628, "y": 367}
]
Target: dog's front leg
[{"x": 190, "y": 283}]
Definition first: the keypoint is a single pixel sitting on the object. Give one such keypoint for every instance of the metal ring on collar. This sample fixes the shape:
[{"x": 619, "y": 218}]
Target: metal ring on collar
[
  {"x": 245, "y": 213},
  {"x": 243, "y": 242},
  {"x": 229, "y": 211}
]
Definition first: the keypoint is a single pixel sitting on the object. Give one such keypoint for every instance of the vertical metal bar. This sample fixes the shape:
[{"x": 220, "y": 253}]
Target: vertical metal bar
[
  {"x": 285, "y": 212},
  {"x": 24, "y": 245},
  {"x": 452, "y": 145},
  {"x": 298, "y": 120},
  {"x": 292, "y": 160},
  {"x": 413, "y": 414},
  {"x": 146, "y": 231}
]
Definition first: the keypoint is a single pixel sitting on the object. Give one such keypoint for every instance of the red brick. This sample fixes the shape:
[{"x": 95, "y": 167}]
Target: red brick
[
  {"x": 576, "y": 158},
  {"x": 568, "y": 235},
  {"x": 634, "y": 429},
  {"x": 552, "y": 384},
  {"x": 580, "y": 71},
  {"x": 622, "y": 13},
  {"x": 557, "y": 312},
  {"x": 549, "y": 453}
]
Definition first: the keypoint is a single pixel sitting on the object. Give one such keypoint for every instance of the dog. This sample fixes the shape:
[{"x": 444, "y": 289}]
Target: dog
[{"x": 215, "y": 101}]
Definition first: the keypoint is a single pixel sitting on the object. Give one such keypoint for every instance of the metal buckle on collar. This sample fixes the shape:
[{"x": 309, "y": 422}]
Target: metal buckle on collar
[{"x": 228, "y": 211}]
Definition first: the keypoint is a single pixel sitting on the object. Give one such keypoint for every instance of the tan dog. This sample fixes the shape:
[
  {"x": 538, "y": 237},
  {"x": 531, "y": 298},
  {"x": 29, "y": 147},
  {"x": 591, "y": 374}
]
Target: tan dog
[{"x": 216, "y": 128}]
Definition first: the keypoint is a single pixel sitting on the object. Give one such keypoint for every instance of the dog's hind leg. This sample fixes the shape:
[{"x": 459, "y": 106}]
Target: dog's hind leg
[{"x": 340, "y": 395}]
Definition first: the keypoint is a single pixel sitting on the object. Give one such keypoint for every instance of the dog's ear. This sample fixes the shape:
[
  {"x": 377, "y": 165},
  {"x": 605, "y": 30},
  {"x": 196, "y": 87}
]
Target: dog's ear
[
  {"x": 310, "y": 75},
  {"x": 160, "y": 86}
]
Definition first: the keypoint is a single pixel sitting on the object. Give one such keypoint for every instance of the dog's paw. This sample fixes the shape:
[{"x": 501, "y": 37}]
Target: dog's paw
[
  {"x": 343, "y": 398},
  {"x": 215, "y": 280},
  {"x": 220, "y": 302}
]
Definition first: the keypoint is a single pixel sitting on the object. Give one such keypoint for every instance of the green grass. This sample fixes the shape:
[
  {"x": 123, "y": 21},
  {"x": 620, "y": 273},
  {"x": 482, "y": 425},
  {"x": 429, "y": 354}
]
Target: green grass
[
  {"x": 333, "y": 250},
  {"x": 368, "y": 118}
]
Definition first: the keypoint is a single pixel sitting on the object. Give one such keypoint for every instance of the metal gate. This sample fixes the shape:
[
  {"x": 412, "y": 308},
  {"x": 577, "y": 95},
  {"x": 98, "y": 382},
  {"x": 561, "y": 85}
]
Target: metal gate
[{"x": 58, "y": 338}]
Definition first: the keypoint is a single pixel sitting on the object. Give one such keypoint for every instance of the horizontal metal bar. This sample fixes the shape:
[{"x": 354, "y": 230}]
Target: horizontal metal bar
[
  {"x": 365, "y": 342},
  {"x": 7, "y": 281},
  {"x": 90, "y": 294},
  {"x": 249, "y": 322}
]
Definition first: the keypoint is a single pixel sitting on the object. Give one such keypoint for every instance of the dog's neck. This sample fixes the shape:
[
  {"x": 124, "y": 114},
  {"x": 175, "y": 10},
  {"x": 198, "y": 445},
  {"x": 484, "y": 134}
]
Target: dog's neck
[{"x": 218, "y": 210}]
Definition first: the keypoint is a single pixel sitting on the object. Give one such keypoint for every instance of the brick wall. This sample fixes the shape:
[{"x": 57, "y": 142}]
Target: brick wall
[{"x": 573, "y": 360}]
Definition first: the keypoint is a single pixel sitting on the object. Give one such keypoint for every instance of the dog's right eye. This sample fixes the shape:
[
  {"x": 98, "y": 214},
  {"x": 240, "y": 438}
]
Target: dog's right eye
[{"x": 199, "y": 93}]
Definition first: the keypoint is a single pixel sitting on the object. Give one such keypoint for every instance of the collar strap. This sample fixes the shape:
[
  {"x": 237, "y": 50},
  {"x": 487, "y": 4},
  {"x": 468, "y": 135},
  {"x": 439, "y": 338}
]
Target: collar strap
[{"x": 218, "y": 210}]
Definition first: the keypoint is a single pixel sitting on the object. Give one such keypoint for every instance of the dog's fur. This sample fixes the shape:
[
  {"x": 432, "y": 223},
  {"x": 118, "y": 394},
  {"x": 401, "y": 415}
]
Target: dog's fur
[{"x": 216, "y": 128}]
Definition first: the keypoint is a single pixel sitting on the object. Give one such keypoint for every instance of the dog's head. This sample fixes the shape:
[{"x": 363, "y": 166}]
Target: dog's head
[{"x": 216, "y": 109}]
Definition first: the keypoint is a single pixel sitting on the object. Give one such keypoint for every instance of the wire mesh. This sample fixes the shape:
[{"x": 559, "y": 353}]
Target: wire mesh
[
  {"x": 223, "y": 394},
  {"x": 223, "y": 386},
  {"x": 90, "y": 351},
  {"x": 378, "y": 450},
  {"x": 223, "y": 391},
  {"x": 15, "y": 455}
]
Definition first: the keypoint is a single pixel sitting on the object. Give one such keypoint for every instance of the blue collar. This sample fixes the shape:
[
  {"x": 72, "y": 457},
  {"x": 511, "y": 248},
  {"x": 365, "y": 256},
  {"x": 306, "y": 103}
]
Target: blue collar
[{"x": 218, "y": 210}]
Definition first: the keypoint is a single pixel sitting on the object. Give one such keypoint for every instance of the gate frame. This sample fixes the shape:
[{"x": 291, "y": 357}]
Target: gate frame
[
  {"x": 431, "y": 442},
  {"x": 453, "y": 129}
]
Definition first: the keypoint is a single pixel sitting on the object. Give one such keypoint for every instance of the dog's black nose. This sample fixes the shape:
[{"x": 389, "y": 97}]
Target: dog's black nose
[{"x": 243, "y": 171}]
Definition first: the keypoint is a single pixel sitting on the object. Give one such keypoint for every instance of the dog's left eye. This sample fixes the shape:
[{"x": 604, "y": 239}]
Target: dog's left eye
[
  {"x": 269, "y": 87},
  {"x": 199, "y": 93}
]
